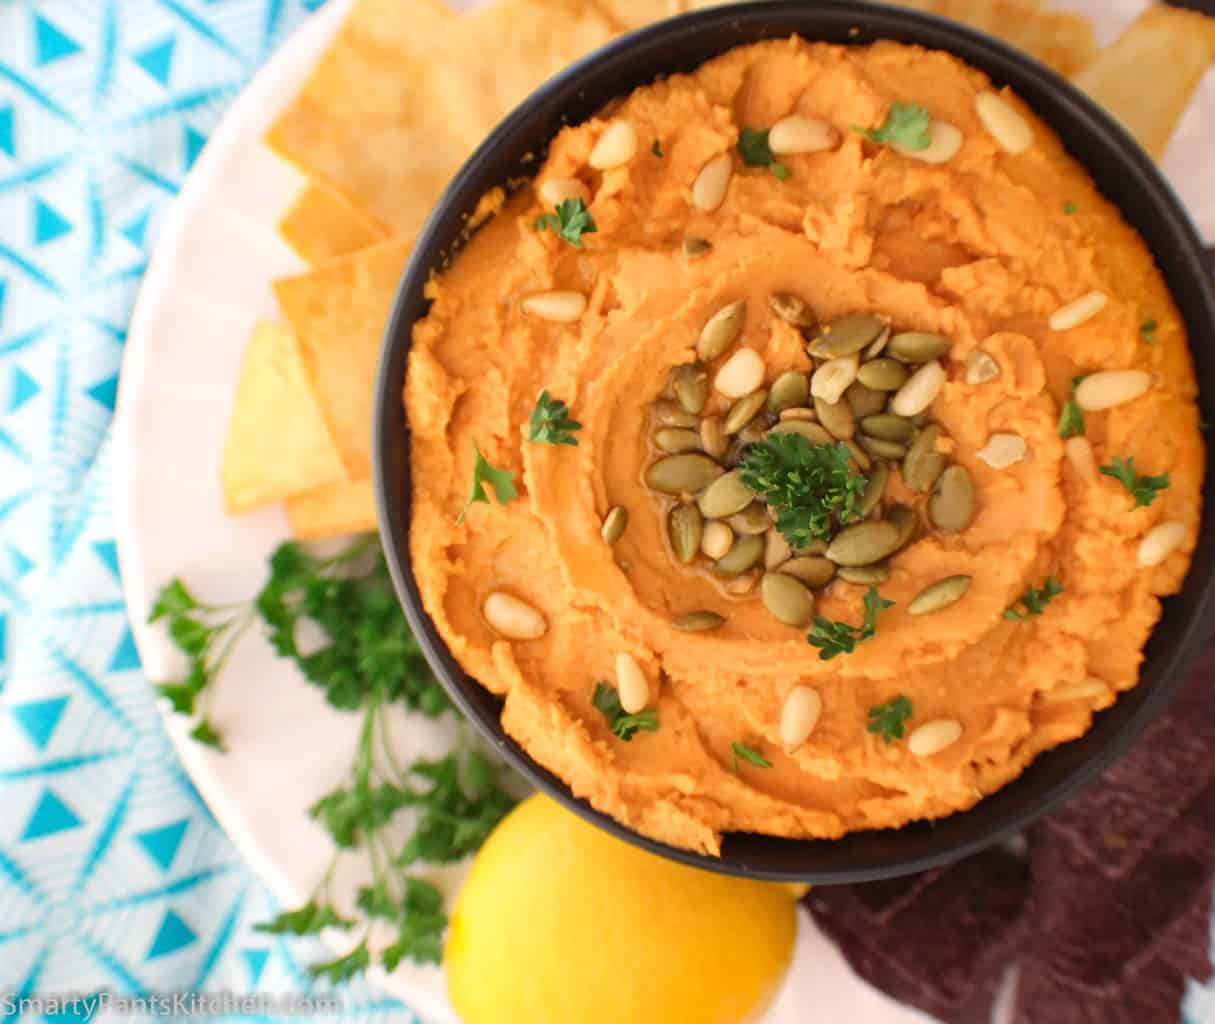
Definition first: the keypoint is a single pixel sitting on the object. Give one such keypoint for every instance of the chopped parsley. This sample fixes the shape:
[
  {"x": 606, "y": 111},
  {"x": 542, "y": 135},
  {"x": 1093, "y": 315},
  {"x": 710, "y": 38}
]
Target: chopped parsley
[
  {"x": 1142, "y": 488},
  {"x": 571, "y": 221},
  {"x": 550, "y": 422},
  {"x": 748, "y": 754},
  {"x": 755, "y": 152},
  {"x": 1034, "y": 601},
  {"x": 1070, "y": 208},
  {"x": 1071, "y": 416},
  {"x": 656, "y": 148},
  {"x": 906, "y": 125},
  {"x": 834, "y": 638},
  {"x": 887, "y": 720},
  {"x": 811, "y": 487},
  {"x": 1147, "y": 331},
  {"x": 501, "y": 480},
  {"x": 624, "y": 726}
]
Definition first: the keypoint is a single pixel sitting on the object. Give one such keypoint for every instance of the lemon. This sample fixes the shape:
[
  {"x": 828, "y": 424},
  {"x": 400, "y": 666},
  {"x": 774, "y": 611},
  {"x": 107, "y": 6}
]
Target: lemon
[{"x": 560, "y": 923}]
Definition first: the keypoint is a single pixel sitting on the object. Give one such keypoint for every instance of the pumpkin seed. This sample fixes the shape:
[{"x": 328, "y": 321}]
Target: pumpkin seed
[
  {"x": 878, "y": 345},
  {"x": 883, "y": 374},
  {"x": 698, "y": 622},
  {"x": 687, "y": 473},
  {"x": 980, "y": 368},
  {"x": 845, "y": 335},
  {"x": 786, "y": 599},
  {"x": 812, "y": 431},
  {"x": 614, "y": 524},
  {"x": 837, "y": 417},
  {"x": 725, "y": 496},
  {"x": 776, "y": 549},
  {"x": 677, "y": 439},
  {"x": 905, "y": 521},
  {"x": 917, "y": 346},
  {"x": 792, "y": 309},
  {"x": 789, "y": 390},
  {"x": 694, "y": 248},
  {"x": 716, "y": 540},
  {"x": 863, "y": 575},
  {"x": 865, "y": 401},
  {"x": 939, "y": 595},
  {"x": 799, "y": 715},
  {"x": 665, "y": 413},
  {"x": 742, "y": 585},
  {"x": 744, "y": 410},
  {"x": 834, "y": 377},
  {"x": 713, "y": 437},
  {"x": 875, "y": 487},
  {"x": 888, "y": 427},
  {"x": 752, "y": 520},
  {"x": 881, "y": 449},
  {"x": 952, "y": 505},
  {"x": 721, "y": 330},
  {"x": 755, "y": 430},
  {"x": 734, "y": 453},
  {"x": 512, "y": 617},
  {"x": 859, "y": 456},
  {"x": 685, "y": 525},
  {"x": 691, "y": 386},
  {"x": 745, "y": 553},
  {"x": 811, "y": 570},
  {"x": 863, "y": 543},
  {"x": 933, "y": 737},
  {"x": 814, "y": 547},
  {"x": 923, "y": 464},
  {"x": 799, "y": 412}
]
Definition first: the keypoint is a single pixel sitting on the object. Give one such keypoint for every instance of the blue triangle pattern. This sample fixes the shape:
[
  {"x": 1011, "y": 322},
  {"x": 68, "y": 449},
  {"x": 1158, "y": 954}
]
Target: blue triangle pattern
[
  {"x": 136, "y": 232},
  {"x": 255, "y": 963},
  {"x": 49, "y": 224},
  {"x": 50, "y": 43},
  {"x": 8, "y": 140},
  {"x": 105, "y": 392},
  {"x": 20, "y": 562},
  {"x": 24, "y": 388},
  {"x": 173, "y": 934},
  {"x": 194, "y": 142},
  {"x": 162, "y": 844},
  {"x": 157, "y": 60},
  {"x": 51, "y": 816},
  {"x": 107, "y": 551},
  {"x": 40, "y": 718},
  {"x": 126, "y": 657}
]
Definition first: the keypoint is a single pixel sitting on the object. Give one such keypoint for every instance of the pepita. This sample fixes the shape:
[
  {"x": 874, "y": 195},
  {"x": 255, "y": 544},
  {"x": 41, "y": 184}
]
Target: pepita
[
  {"x": 512, "y": 617},
  {"x": 752, "y": 520},
  {"x": 725, "y": 496},
  {"x": 837, "y": 417},
  {"x": 952, "y": 504},
  {"x": 685, "y": 525},
  {"x": 747, "y": 551},
  {"x": 865, "y": 401},
  {"x": 790, "y": 390},
  {"x": 875, "y": 487},
  {"x": 923, "y": 464},
  {"x": 741, "y": 374},
  {"x": 810, "y": 569},
  {"x": 864, "y": 575},
  {"x": 938, "y": 596},
  {"x": 808, "y": 429},
  {"x": 690, "y": 383},
  {"x": 792, "y": 309},
  {"x": 799, "y": 715},
  {"x": 845, "y": 336},
  {"x": 859, "y": 456},
  {"x": 980, "y": 368},
  {"x": 834, "y": 377},
  {"x": 677, "y": 439},
  {"x": 917, "y": 346},
  {"x": 863, "y": 543},
  {"x": 721, "y": 330},
  {"x": 786, "y": 599},
  {"x": 744, "y": 410},
  {"x": 920, "y": 391},
  {"x": 905, "y": 521},
  {"x": 688, "y": 473},
  {"x": 713, "y": 437},
  {"x": 716, "y": 540},
  {"x": 755, "y": 430},
  {"x": 933, "y": 737},
  {"x": 695, "y": 248},
  {"x": 888, "y": 427},
  {"x": 881, "y": 449},
  {"x": 698, "y": 622},
  {"x": 665, "y": 413},
  {"x": 883, "y": 374},
  {"x": 614, "y": 524},
  {"x": 878, "y": 345}
]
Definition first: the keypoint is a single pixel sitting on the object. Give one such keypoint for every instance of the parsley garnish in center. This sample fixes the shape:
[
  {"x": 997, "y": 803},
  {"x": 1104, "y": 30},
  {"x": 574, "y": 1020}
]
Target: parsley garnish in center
[
  {"x": 1034, "y": 601},
  {"x": 624, "y": 726},
  {"x": 834, "y": 638},
  {"x": 501, "y": 480},
  {"x": 886, "y": 720},
  {"x": 571, "y": 221},
  {"x": 810, "y": 486},
  {"x": 748, "y": 754},
  {"x": 906, "y": 124},
  {"x": 1071, "y": 416},
  {"x": 1142, "y": 488},
  {"x": 550, "y": 422},
  {"x": 755, "y": 152}
]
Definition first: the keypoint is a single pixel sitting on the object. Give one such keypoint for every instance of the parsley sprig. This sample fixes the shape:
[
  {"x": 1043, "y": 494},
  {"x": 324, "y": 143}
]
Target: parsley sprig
[
  {"x": 811, "y": 486},
  {"x": 570, "y": 222},
  {"x": 1142, "y": 488},
  {"x": 887, "y": 720},
  {"x": 623, "y": 725},
  {"x": 1034, "y": 601},
  {"x": 755, "y": 152},
  {"x": 501, "y": 480},
  {"x": 748, "y": 754},
  {"x": 906, "y": 125},
  {"x": 550, "y": 422},
  {"x": 834, "y": 638},
  {"x": 1071, "y": 416},
  {"x": 1147, "y": 330}
]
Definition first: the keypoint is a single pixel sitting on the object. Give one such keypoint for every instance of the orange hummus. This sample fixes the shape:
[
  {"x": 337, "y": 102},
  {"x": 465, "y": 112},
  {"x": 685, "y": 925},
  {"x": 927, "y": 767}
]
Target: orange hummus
[{"x": 984, "y": 248}]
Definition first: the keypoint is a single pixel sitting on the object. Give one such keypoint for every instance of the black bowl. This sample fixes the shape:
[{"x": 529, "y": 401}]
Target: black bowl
[{"x": 1122, "y": 171}]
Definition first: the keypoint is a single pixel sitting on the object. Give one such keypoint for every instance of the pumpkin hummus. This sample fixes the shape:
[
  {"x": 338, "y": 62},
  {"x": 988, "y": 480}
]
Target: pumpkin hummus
[{"x": 988, "y": 237}]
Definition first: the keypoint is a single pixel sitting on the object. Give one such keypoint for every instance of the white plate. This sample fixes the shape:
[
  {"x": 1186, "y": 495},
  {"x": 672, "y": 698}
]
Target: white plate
[{"x": 209, "y": 282}]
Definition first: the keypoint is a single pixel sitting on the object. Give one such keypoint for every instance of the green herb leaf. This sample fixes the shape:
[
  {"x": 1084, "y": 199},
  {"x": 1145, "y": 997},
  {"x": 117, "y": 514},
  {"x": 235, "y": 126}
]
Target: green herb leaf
[
  {"x": 172, "y": 600},
  {"x": 753, "y": 148},
  {"x": 344, "y": 968},
  {"x": 887, "y": 720},
  {"x": 906, "y": 124},
  {"x": 206, "y": 734},
  {"x": 1142, "y": 488},
  {"x": 309, "y": 919},
  {"x": 748, "y": 754},
  {"x": 1034, "y": 602},
  {"x": 624, "y": 726},
  {"x": 571, "y": 221},
  {"x": 550, "y": 422},
  {"x": 656, "y": 148},
  {"x": 1069, "y": 207},
  {"x": 1147, "y": 331},
  {"x": 835, "y": 638},
  {"x": 1071, "y": 419},
  {"x": 501, "y": 480},
  {"x": 811, "y": 487}
]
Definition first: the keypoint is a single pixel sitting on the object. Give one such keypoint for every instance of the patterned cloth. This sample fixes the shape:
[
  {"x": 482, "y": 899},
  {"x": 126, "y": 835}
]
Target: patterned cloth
[{"x": 113, "y": 875}]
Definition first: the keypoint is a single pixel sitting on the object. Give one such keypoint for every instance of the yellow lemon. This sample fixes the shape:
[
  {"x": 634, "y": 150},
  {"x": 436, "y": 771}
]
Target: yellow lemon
[{"x": 560, "y": 923}]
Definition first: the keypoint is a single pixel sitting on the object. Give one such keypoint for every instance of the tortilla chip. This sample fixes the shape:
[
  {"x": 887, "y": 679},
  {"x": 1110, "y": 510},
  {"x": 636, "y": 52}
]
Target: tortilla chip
[
  {"x": 1148, "y": 76},
  {"x": 338, "y": 312},
  {"x": 278, "y": 443},
  {"x": 321, "y": 225},
  {"x": 335, "y": 510}
]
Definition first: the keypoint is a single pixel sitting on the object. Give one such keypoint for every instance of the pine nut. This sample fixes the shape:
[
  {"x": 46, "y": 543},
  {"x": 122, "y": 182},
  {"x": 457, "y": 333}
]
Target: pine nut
[
  {"x": 513, "y": 618},
  {"x": 556, "y": 307},
  {"x": 933, "y": 737},
  {"x": 631, "y": 684},
  {"x": 556, "y": 190},
  {"x": 920, "y": 391},
  {"x": 1161, "y": 541},
  {"x": 834, "y": 377},
  {"x": 716, "y": 540},
  {"x": 711, "y": 184},
  {"x": 616, "y": 146},
  {"x": 945, "y": 142},
  {"x": 1109, "y": 388},
  {"x": 797, "y": 134},
  {"x": 1079, "y": 452},
  {"x": 799, "y": 716},
  {"x": 741, "y": 374},
  {"x": 1003, "y": 450},
  {"x": 1085, "y": 690},
  {"x": 1004, "y": 123},
  {"x": 1080, "y": 310},
  {"x": 980, "y": 368}
]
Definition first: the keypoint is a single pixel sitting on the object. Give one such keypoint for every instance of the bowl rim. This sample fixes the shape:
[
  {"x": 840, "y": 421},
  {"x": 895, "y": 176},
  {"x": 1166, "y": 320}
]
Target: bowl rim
[{"x": 436, "y": 243}]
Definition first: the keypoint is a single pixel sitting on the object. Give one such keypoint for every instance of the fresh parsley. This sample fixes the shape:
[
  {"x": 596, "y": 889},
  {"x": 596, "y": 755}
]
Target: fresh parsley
[
  {"x": 748, "y": 754},
  {"x": 834, "y": 638},
  {"x": 570, "y": 222},
  {"x": 811, "y": 487},
  {"x": 656, "y": 148},
  {"x": 1034, "y": 601},
  {"x": 1142, "y": 488},
  {"x": 1070, "y": 208},
  {"x": 550, "y": 422},
  {"x": 1071, "y": 416},
  {"x": 624, "y": 726},
  {"x": 1147, "y": 331},
  {"x": 501, "y": 480},
  {"x": 906, "y": 125},
  {"x": 887, "y": 720},
  {"x": 755, "y": 152}
]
